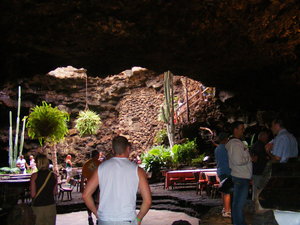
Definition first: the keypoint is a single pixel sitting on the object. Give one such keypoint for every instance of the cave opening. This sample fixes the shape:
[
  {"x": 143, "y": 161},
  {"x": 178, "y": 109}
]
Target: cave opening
[{"x": 247, "y": 50}]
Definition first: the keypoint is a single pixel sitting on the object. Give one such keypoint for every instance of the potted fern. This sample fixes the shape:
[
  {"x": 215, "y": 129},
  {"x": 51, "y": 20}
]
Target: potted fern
[
  {"x": 49, "y": 125},
  {"x": 87, "y": 122}
]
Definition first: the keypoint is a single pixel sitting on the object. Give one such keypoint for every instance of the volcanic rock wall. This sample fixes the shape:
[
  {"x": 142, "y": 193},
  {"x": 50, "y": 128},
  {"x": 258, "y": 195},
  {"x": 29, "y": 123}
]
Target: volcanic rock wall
[{"x": 128, "y": 104}]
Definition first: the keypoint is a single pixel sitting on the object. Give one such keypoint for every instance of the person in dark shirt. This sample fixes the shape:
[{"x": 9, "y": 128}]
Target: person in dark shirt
[
  {"x": 43, "y": 188},
  {"x": 260, "y": 159}
]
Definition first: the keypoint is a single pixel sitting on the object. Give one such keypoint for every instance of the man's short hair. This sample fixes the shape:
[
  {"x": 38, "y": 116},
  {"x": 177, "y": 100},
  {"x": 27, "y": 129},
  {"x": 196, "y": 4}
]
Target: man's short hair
[
  {"x": 119, "y": 144},
  {"x": 278, "y": 121},
  {"x": 236, "y": 124},
  {"x": 95, "y": 153},
  {"x": 181, "y": 222},
  {"x": 221, "y": 136}
]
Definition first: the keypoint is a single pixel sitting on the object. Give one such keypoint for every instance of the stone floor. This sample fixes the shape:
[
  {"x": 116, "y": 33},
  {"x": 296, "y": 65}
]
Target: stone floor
[
  {"x": 154, "y": 217},
  {"x": 182, "y": 199}
]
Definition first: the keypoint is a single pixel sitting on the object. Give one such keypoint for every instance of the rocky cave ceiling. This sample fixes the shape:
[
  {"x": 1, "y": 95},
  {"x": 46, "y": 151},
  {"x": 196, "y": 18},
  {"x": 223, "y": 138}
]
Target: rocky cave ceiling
[{"x": 248, "y": 46}]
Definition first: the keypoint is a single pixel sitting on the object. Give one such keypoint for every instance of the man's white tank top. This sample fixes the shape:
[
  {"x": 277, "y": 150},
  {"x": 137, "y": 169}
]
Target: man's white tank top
[{"x": 118, "y": 183}]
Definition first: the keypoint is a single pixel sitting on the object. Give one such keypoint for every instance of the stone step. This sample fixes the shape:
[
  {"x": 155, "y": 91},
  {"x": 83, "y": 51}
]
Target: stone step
[
  {"x": 159, "y": 203},
  {"x": 162, "y": 202}
]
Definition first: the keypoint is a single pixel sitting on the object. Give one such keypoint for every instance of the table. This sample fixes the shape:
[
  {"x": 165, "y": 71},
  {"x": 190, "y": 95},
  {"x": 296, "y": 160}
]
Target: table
[
  {"x": 182, "y": 174},
  {"x": 11, "y": 190}
]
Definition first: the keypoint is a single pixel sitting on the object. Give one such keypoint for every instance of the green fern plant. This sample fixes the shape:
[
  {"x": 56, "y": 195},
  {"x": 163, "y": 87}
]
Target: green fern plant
[
  {"x": 88, "y": 122},
  {"x": 47, "y": 124}
]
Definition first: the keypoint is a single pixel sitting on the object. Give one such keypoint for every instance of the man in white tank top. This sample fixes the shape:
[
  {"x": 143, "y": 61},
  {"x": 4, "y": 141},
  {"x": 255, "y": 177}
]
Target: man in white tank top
[{"x": 118, "y": 180}]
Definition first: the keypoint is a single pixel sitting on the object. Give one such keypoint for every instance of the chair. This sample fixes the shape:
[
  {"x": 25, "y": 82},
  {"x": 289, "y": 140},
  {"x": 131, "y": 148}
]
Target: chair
[
  {"x": 212, "y": 184},
  {"x": 201, "y": 183},
  {"x": 68, "y": 190},
  {"x": 78, "y": 180}
]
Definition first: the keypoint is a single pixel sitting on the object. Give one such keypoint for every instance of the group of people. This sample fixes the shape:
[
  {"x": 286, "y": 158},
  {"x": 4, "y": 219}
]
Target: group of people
[
  {"x": 23, "y": 166},
  {"x": 242, "y": 165},
  {"x": 109, "y": 188}
]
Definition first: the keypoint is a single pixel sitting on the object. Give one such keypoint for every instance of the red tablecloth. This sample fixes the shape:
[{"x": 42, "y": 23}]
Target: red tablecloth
[{"x": 182, "y": 174}]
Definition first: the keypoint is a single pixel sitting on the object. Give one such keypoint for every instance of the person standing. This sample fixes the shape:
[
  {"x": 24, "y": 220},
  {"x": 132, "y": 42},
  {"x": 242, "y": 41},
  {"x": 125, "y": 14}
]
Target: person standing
[
  {"x": 119, "y": 180},
  {"x": 68, "y": 162},
  {"x": 22, "y": 164},
  {"x": 43, "y": 188},
  {"x": 241, "y": 171},
  {"x": 32, "y": 164},
  {"x": 88, "y": 170},
  {"x": 284, "y": 146},
  {"x": 260, "y": 159},
  {"x": 281, "y": 149},
  {"x": 223, "y": 171}
]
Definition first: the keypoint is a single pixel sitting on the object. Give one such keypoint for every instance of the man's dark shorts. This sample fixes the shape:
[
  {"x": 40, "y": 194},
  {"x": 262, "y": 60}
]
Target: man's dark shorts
[{"x": 229, "y": 189}]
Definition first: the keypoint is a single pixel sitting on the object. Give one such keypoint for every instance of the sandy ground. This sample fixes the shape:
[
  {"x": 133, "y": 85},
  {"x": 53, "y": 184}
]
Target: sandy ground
[{"x": 154, "y": 217}]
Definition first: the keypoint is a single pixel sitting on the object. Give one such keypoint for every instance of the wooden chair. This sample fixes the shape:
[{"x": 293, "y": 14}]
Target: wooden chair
[
  {"x": 212, "y": 184},
  {"x": 78, "y": 180},
  {"x": 201, "y": 183},
  {"x": 68, "y": 190}
]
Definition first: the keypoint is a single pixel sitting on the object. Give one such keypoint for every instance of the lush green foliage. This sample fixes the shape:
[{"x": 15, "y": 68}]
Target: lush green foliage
[
  {"x": 181, "y": 154},
  {"x": 198, "y": 161},
  {"x": 88, "y": 122},
  {"x": 8, "y": 170},
  {"x": 47, "y": 124},
  {"x": 184, "y": 153},
  {"x": 156, "y": 157},
  {"x": 161, "y": 137}
]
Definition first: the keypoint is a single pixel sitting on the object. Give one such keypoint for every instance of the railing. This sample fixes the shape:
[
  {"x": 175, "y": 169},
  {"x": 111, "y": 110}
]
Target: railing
[
  {"x": 192, "y": 101},
  {"x": 188, "y": 104}
]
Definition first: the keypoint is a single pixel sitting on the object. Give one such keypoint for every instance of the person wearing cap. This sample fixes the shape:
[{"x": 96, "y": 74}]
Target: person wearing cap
[{"x": 223, "y": 170}]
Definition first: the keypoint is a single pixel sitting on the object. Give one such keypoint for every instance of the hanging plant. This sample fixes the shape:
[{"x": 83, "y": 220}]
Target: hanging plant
[
  {"x": 47, "y": 124},
  {"x": 88, "y": 122}
]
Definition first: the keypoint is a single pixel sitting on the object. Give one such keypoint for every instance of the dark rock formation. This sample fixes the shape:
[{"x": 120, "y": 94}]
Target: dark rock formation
[
  {"x": 251, "y": 47},
  {"x": 128, "y": 104}
]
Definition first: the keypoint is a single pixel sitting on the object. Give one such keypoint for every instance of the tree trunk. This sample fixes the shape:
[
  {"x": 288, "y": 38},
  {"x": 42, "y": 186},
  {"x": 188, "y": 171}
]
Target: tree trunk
[{"x": 54, "y": 159}]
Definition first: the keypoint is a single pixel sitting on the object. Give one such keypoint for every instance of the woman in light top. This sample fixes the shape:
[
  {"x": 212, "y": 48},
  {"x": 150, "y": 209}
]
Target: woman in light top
[{"x": 32, "y": 164}]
